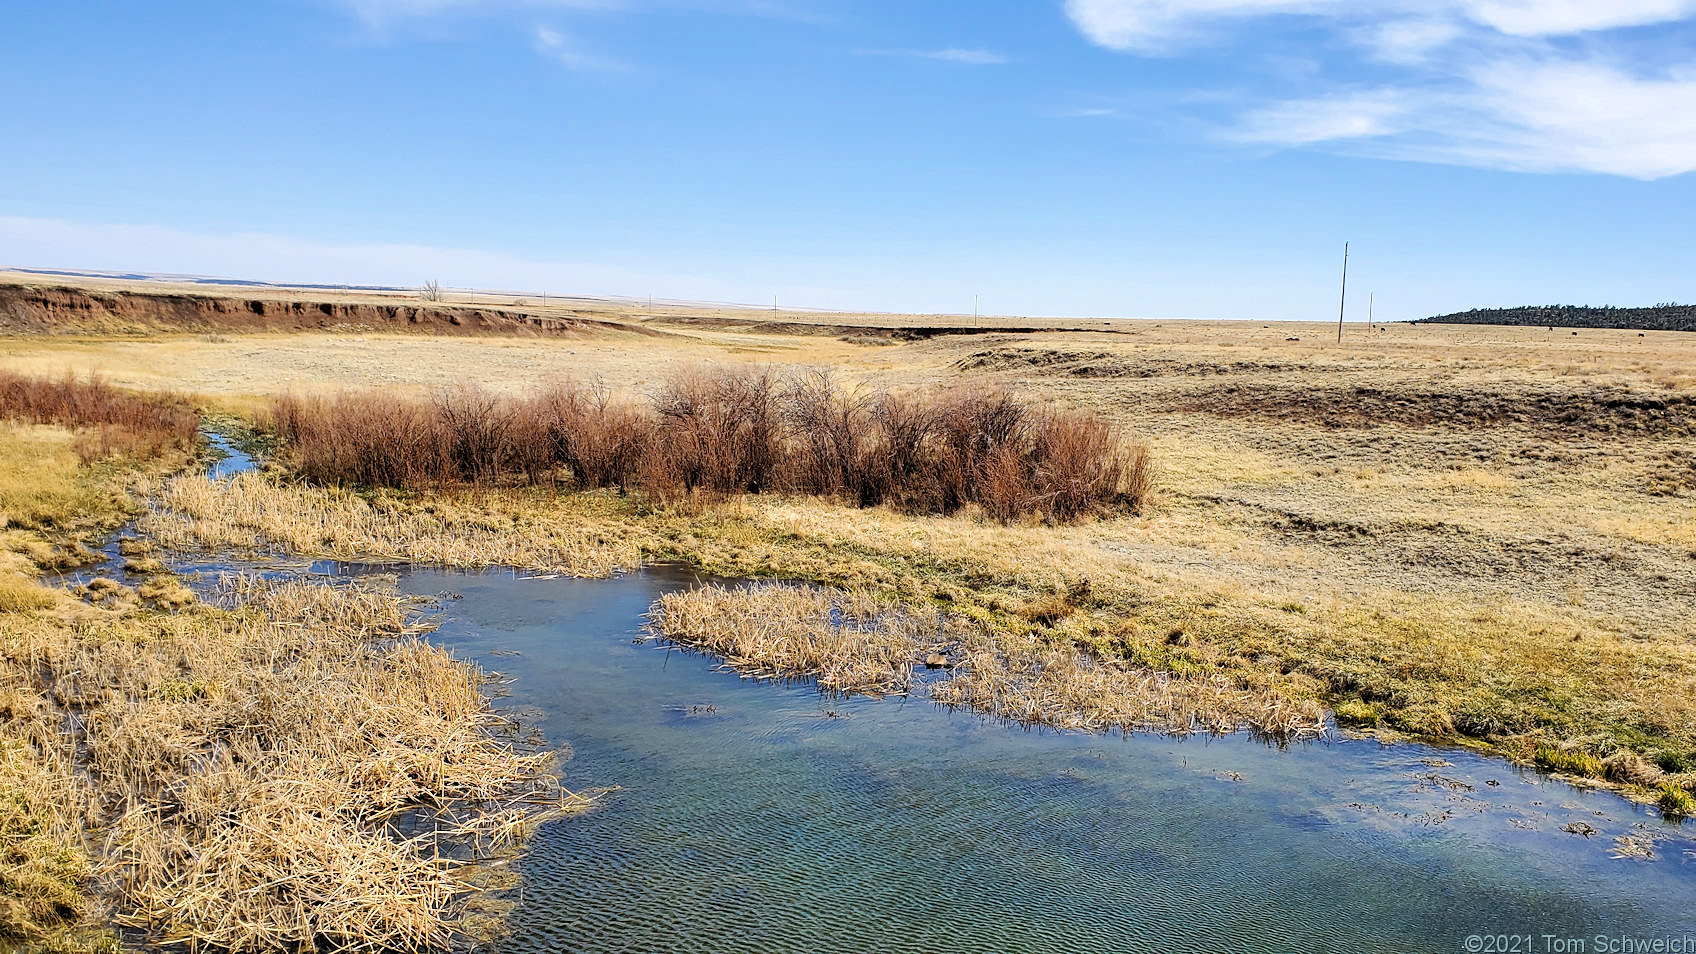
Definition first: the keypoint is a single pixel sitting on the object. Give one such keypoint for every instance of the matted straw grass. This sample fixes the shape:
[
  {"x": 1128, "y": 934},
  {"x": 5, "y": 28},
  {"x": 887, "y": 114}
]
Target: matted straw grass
[
  {"x": 846, "y": 641},
  {"x": 850, "y": 643},
  {"x": 1031, "y": 683},
  {"x": 44, "y": 805},
  {"x": 289, "y": 767},
  {"x": 249, "y": 512}
]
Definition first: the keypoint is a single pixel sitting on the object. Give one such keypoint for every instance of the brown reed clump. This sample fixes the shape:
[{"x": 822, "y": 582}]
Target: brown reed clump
[
  {"x": 599, "y": 440},
  {"x": 115, "y": 422},
  {"x": 716, "y": 432},
  {"x": 846, "y": 641}
]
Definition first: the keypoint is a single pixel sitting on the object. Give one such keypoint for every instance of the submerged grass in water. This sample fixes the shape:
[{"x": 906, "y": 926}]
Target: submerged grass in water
[
  {"x": 845, "y": 641},
  {"x": 850, "y": 643}
]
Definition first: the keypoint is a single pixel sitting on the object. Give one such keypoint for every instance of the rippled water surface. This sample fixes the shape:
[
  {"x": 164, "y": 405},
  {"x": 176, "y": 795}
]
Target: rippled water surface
[{"x": 760, "y": 817}]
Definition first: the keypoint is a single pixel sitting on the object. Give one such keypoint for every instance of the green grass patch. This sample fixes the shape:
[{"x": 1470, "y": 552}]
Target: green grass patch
[
  {"x": 1676, "y": 801},
  {"x": 1552, "y": 758},
  {"x": 1354, "y": 712}
]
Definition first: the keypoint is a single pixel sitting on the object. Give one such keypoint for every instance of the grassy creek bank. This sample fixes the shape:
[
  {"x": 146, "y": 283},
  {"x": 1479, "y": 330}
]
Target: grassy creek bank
[
  {"x": 1042, "y": 624},
  {"x": 255, "y": 766}
]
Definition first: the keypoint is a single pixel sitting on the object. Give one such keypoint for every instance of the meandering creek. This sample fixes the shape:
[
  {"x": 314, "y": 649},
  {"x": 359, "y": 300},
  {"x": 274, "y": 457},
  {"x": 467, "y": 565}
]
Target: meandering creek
[{"x": 764, "y": 817}]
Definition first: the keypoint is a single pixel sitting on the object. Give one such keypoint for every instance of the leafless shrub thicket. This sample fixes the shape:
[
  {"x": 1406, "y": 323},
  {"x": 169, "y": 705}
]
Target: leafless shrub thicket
[
  {"x": 116, "y": 422},
  {"x": 725, "y": 431}
]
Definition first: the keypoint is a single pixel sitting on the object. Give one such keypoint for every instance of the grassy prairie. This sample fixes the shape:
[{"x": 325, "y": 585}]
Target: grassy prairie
[{"x": 1468, "y": 533}]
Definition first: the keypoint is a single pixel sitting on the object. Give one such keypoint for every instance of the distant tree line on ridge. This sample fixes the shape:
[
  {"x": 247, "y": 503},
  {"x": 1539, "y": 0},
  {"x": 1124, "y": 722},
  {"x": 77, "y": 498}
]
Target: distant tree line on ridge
[{"x": 1666, "y": 316}]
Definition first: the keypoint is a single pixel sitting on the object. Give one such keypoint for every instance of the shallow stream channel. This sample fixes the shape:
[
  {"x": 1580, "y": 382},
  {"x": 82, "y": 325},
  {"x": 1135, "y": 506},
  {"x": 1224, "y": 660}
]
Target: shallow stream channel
[{"x": 765, "y": 817}]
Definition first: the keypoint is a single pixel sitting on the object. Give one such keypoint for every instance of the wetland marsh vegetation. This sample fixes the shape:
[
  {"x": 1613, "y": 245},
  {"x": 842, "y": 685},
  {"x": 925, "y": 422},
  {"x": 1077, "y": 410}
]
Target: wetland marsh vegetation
[
  {"x": 276, "y": 766},
  {"x": 1509, "y": 568}
]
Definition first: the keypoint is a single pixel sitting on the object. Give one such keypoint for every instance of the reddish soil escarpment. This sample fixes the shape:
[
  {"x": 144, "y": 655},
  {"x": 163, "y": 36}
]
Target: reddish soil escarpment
[{"x": 38, "y": 310}]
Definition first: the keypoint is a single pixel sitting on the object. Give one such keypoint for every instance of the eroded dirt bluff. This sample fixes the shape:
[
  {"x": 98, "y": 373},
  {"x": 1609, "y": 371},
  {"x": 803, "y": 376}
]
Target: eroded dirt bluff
[{"x": 51, "y": 310}]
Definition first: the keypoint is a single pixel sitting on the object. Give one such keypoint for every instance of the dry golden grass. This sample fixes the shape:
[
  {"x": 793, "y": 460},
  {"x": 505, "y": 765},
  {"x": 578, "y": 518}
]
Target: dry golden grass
[
  {"x": 845, "y": 641},
  {"x": 1470, "y": 532},
  {"x": 240, "y": 767},
  {"x": 40, "y": 479},
  {"x": 235, "y": 774},
  {"x": 507, "y": 528},
  {"x": 44, "y": 807},
  {"x": 850, "y": 643},
  {"x": 1034, "y": 682},
  {"x": 255, "y": 788}
]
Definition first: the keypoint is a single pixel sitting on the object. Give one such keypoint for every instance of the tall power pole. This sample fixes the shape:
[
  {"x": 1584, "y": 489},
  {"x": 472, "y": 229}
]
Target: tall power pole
[{"x": 1341, "y": 302}]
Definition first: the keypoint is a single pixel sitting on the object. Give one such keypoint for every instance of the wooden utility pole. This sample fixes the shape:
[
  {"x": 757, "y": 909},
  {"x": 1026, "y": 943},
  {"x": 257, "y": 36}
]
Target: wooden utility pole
[
  {"x": 1341, "y": 302},
  {"x": 1370, "y": 298}
]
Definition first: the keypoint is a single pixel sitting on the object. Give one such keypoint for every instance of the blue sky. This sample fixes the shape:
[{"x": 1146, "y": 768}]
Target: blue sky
[{"x": 1201, "y": 158}]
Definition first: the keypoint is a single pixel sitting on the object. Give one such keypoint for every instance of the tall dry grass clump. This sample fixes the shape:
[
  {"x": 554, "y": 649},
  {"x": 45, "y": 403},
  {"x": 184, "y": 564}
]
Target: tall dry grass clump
[
  {"x": 114, "y": 421},
  {"x": 726, "y": 431},
  {"x": 45, "y": 805},
  {"x": 287, "y": 769},
  {"x": 249, "y": 512},
  {"x": 846, "y": 641}
]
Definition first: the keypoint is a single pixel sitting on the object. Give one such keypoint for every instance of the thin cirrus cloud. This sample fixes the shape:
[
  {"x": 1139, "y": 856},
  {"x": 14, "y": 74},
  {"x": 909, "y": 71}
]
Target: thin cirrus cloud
[
  {"x": 1524, "y": 85},
  {"x": 562, "y": 48},
  {"x": 968, "y": 57},
  {"x": 1157, "y": 25},
  {"x": 379, "y": 13}
]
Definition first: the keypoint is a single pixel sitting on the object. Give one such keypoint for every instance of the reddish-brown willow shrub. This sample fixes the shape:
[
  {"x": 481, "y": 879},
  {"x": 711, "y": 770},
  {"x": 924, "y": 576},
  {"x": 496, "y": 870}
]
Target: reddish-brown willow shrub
[
  {"x": 730, "y": 431},
  {"x": 114, "y": 421}
]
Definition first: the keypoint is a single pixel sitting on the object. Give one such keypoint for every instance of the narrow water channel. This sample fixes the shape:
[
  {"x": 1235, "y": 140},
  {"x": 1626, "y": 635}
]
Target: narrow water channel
[{"x": 762, "y": 817}]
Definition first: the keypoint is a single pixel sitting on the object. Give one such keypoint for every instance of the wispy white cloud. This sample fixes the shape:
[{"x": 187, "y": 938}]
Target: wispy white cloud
[
  {"x": 1408, "y": 41},
  {"x": 1084, "y": 112},
  {"x": 949, "y": 55},
  {"x": 1476, "y": 82},
  {"x": 558, "y": 46},
  {"x": 380, "y": 13},
  {"x": 1326, "y": 119},
  {"x": 1568, "y": 17},
  {"x": 1158, "y": 25}
]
